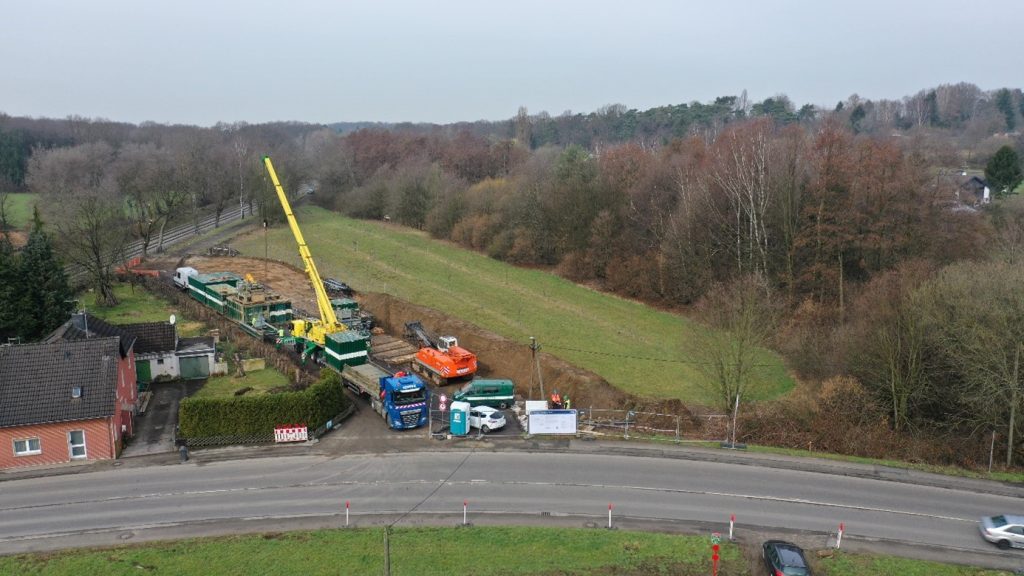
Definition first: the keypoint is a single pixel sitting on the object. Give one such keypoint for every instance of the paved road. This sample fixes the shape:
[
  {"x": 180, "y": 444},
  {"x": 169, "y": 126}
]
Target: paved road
[{"x": 100, "y": 507}]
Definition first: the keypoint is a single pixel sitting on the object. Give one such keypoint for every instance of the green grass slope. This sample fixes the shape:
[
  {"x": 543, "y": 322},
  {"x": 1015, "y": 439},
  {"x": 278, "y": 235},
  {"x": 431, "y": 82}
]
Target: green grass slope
[
  {"x": 636, "y": 348},
  {"x": 19, "y": 209}
]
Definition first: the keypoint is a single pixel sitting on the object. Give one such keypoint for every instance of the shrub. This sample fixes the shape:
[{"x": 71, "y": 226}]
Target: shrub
[{"x": 253, "y": 415}]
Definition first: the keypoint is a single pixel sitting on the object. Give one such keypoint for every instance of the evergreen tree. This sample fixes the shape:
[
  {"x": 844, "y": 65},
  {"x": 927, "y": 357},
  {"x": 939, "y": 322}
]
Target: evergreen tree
[
  {"x": 1004, "y": 102},
  {"x": 1003, "y": 171},
  {"x": 46, "y": 298},
  {"x": 8, "y": 286}
]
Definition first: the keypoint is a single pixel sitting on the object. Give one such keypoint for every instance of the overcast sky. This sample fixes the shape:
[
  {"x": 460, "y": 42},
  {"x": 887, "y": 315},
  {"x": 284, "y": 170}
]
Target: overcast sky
[{"x": 200, "y": 62}]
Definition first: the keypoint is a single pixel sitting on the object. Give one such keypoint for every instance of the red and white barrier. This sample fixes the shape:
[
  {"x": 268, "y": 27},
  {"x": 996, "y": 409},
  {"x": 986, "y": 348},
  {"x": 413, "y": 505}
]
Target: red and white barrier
[{"x": 291, "y": 433}]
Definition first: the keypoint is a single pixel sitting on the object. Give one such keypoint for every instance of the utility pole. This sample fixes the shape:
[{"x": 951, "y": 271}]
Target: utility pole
[
  {"x": 735, "y": 411},
  {"x": 534, "y": 347}
]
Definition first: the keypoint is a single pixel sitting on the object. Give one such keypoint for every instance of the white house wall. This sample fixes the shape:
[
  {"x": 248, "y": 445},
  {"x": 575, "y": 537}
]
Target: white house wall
[{"x": 168, "y": 370}]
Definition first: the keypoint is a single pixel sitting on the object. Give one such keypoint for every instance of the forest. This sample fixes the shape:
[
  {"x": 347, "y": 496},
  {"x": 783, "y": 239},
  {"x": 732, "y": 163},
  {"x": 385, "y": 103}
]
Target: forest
[{"x": 854, "y": 240}]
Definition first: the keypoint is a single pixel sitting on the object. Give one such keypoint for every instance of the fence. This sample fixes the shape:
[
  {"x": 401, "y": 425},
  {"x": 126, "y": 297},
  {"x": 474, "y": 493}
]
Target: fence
[
  {"x": 77, "y": 274},
  {"x": 653, "y": 425}
]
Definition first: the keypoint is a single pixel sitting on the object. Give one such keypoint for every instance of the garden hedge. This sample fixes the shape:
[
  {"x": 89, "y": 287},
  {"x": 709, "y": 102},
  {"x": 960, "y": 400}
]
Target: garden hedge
[{"x": 253, "y": 415}]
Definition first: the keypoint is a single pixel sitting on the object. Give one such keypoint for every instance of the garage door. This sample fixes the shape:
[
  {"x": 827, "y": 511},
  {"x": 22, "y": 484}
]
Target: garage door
[{"x": 194, "y": 368}]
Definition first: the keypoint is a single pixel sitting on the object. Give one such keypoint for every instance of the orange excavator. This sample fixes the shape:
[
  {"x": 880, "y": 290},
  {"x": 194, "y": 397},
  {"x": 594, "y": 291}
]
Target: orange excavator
[{"x": 440, "y": 359}]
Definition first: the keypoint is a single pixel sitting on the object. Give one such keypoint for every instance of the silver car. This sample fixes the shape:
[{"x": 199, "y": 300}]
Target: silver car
[{"x": 1005, "y": 531}]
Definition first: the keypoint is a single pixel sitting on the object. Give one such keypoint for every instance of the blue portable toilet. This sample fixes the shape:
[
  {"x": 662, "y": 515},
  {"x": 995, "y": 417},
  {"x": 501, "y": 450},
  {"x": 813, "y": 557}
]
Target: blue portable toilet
[{"x": 459, "y": 423}]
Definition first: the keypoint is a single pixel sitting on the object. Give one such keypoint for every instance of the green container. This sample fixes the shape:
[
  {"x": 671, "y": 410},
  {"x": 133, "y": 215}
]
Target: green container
[
  {"x": 347, "y": 348},
  {"x": 344, "y": 304},
  {"x": 212, "y": 288},
  {"x": 279, "y": 312}
]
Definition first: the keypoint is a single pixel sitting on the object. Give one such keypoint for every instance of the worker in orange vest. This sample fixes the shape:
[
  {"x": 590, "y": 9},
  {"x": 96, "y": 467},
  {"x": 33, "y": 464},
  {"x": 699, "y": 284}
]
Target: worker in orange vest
[{"x": 556, "y": 400}]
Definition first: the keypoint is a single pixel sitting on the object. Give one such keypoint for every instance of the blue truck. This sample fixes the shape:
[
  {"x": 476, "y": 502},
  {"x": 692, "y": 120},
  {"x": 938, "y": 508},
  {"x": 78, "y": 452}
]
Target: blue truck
[{"x": 402, "y": 400}]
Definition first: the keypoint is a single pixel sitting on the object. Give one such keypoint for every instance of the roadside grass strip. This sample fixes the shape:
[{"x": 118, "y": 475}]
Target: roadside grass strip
[{"x": 414, "y": 551}]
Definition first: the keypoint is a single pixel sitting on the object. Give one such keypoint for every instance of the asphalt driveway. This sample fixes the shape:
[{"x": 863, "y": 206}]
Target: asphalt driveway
[{"x": 154, "y": 430}]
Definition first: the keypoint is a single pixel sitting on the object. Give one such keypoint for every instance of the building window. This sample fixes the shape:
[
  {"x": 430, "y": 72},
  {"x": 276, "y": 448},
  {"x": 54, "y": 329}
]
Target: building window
[
  {"x": 76, "y": 392},
  {"x": 27, "y": 447},
  {"x": 76, "y": 442},
  {"x": 159, "y": 360}
]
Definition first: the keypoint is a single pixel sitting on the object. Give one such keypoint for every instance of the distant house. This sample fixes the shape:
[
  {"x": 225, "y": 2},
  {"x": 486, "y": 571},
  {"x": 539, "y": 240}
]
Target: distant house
[
  {"x": 974, "y": 191},
  {"x": 65, "y": 400}
]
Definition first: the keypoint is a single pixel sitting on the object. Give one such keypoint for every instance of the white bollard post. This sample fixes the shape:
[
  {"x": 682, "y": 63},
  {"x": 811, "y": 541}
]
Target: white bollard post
[
  {"x": 732, "y": 521},
  {"x": 346, "y": 513},
  {"x": 609, "y": 516},
  {"x": 839, "y": 537},
  {"x": 465, "y": 504}
]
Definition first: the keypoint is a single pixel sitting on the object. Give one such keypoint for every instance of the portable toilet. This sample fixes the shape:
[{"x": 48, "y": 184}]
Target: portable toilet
[{"x": 459, "y": 423}]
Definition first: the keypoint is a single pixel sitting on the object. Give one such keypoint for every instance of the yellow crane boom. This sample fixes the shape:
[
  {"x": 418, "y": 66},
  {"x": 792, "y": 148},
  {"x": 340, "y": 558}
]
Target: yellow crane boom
[{"x": 328, "y": 323}]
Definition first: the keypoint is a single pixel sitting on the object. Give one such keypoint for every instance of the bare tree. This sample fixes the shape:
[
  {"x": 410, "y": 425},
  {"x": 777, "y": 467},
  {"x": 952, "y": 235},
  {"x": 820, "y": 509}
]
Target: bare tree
[
  {"x": 84, "y": 208},
  {"x": 744, "y": 316},
  {"x": 741, "y": 170},
  {"x": 977, "y": 317},
  {"x": 889, "y": 343}
]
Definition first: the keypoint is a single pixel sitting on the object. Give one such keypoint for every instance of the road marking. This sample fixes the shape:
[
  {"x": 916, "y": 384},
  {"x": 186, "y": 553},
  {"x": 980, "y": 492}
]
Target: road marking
[{"x": 339, "y": 483}]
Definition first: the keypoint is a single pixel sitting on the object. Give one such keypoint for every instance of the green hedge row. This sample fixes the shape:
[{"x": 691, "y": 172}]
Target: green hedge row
[{"x": 250, "y": 415}]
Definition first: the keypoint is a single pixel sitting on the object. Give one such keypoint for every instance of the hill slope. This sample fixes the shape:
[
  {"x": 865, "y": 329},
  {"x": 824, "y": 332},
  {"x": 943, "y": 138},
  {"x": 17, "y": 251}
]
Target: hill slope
[{"x": 638, "y": 349}]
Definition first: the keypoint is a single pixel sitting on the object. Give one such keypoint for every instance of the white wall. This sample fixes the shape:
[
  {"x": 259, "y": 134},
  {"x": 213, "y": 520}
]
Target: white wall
[{"x": 169, "y": 368}]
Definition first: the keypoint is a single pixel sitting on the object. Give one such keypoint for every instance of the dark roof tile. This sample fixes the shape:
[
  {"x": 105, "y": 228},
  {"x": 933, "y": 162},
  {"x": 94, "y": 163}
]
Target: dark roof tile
[
  {"x": 36, "y": 381},
  {"x": 152, "y": 336}
]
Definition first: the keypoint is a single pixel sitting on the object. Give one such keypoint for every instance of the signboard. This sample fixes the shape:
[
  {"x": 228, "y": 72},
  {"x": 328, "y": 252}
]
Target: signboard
[
  {"x": 291, "y": 433},
  {"x": 551, "y": 422},
  {"x": 532, "y": 405}
]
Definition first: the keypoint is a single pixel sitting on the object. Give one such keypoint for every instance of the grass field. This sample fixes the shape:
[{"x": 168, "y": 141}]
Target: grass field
[
  {"x": 863, "y": 564},
  {"x": 414, "y": 551},
  {"x": 638, "y": 349},
  {"x": 499, "y": 551},
  {"x": 138, "y": 305},
  {"x": 225, "y": 386},
  {"x": 19, "y": 209}
]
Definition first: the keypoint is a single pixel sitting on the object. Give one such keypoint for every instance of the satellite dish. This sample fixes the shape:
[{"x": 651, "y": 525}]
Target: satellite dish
[{"x": 172, "y": 319}]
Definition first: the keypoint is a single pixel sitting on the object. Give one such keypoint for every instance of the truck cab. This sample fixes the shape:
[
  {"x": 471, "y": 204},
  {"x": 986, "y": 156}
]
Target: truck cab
[
  {"x": 181, "y": 276},
  {"x": 403, "y": 401}
]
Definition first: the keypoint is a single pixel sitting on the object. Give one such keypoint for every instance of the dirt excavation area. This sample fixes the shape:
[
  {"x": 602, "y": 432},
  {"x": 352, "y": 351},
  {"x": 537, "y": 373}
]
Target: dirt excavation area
[{"x": 497, "y": 356}]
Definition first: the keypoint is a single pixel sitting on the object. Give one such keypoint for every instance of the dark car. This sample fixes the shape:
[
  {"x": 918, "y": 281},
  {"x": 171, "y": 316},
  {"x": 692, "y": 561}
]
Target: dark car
[{"x": 784, "y": 559}]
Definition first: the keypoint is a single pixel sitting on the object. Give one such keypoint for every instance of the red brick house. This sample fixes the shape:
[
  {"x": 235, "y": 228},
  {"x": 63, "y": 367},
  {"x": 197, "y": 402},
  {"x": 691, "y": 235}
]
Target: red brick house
[{"x": 66, "y": 399}]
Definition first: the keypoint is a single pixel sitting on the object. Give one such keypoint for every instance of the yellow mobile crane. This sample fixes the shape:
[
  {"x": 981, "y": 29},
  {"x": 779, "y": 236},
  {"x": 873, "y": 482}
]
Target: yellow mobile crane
[{"x": 310, "y": 334}]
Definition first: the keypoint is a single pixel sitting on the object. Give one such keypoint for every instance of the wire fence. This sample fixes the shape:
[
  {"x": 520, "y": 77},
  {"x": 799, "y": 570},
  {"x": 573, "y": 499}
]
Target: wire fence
[
  {"x": 602, "y": 422},
  {"x": 77, "y": 274}
]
